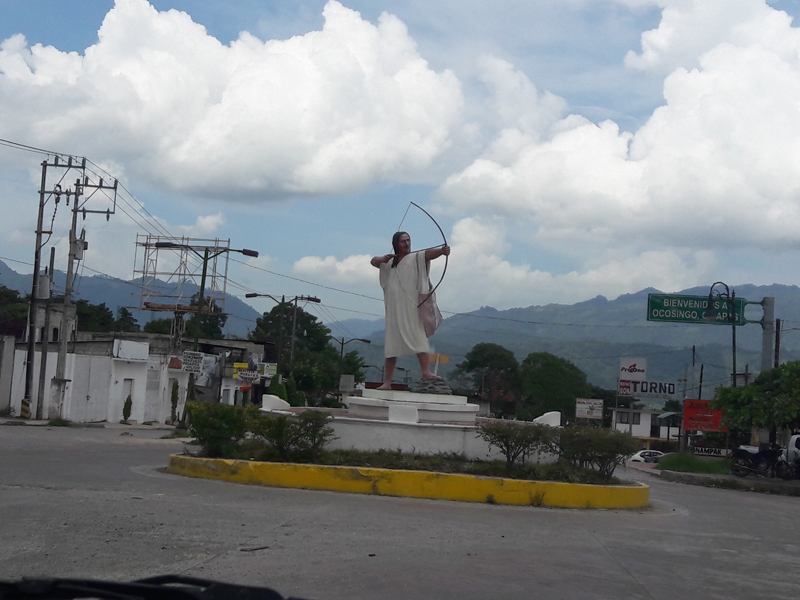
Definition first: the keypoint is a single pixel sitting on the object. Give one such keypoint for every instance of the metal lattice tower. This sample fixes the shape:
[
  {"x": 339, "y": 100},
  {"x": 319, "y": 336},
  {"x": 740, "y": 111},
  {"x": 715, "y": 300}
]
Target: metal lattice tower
[{"x": 171, "y": 273}]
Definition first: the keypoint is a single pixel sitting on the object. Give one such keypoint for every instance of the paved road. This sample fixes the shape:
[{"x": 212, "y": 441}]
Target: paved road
[{"x": 91, "y": 503}]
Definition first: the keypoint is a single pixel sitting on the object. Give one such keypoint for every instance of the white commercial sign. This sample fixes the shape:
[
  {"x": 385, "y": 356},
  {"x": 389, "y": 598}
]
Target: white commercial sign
[
  {"x": 633, "y": 381},
  {"x": 588, "y": 409},
  {"x": 632, "y": 369},
  {"x": 641, "y": 390},
  {"x": 193, "y": 362},
  {"x": 717, "y": 452},
  {"x": 267, "y": 369}
]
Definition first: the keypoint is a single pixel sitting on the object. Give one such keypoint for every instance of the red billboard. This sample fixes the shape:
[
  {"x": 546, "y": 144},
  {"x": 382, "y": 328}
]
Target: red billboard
[{"x": 699, "y": 416}]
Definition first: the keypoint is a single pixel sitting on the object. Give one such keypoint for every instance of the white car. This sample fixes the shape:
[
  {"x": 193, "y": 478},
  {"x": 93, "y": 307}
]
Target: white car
[{"x": 648, "y": 456}]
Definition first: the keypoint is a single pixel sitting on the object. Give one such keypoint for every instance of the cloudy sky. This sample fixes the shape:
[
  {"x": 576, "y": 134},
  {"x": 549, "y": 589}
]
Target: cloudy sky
[{"x": 568, "y": 148}]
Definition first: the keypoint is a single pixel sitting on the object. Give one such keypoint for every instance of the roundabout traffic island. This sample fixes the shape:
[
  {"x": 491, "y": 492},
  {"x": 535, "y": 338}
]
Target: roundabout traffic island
[{"x": 413, "y": 484}]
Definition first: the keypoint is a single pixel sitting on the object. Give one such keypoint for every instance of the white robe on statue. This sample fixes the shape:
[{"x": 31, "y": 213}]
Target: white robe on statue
[{"x": 405, "y": 334}]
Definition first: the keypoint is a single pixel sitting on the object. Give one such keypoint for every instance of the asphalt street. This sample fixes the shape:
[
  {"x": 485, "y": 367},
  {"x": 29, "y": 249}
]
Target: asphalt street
[{"x": 94, "y": 502}]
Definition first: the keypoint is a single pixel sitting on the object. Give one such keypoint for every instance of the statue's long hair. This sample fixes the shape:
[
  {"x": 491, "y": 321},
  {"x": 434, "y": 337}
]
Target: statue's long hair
[{"x": 395, "y": 246}]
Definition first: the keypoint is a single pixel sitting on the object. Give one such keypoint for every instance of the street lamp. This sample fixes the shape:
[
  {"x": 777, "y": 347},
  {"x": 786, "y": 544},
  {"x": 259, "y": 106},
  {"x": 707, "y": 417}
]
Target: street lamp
[
  {"x": 205, "y": 256},
  {"x": 342, "y": 342},
  {"x": 406, "y": 377},
  {"x": 294, "y": 317},
  {"x": 375, "y": 367},
  {"x": 711, "y": 312}
]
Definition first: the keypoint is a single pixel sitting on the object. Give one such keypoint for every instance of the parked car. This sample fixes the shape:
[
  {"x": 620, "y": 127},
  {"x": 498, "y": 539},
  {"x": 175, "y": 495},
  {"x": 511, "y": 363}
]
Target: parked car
[
  {"x": 663, "y": 456},
  {"x": 648, "y": 456}
]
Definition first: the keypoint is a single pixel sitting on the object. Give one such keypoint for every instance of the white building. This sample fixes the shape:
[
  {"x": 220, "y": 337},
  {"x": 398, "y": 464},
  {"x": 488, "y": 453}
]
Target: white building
[
  {"x": 644, "y": 424},
  {"x": 104, "y": 369}
]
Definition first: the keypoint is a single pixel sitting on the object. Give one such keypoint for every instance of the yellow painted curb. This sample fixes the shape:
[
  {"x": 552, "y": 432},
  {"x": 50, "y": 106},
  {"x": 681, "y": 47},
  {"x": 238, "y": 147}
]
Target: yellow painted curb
[{"x": 413, "y": 484}]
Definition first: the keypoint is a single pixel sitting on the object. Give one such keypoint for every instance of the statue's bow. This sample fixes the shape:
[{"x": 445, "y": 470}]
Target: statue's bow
[{"x": 445, "y": 256}]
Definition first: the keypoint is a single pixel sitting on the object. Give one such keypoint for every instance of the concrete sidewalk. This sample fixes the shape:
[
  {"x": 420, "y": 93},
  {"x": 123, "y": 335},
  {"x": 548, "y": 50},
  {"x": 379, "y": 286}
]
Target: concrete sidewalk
[
  {"x": 104, "y": 424},
  {"x": 762, "y": 485}
]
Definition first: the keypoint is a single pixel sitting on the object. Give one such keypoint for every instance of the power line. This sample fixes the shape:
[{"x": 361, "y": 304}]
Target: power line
[{"x": 319, "y": 285}]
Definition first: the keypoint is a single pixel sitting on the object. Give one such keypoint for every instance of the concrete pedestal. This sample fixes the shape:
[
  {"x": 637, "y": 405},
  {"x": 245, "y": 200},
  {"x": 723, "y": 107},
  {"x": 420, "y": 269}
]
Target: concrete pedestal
[{"x": 410, "y": 407}]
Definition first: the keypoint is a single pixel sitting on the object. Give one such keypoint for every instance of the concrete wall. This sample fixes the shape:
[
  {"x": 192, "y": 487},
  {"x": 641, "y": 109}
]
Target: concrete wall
[
  {"x": 87, "y": 398},
  {"x": 17, "y": 379},
  {"x": 135, "y": 370},
  {"x": 6, "y": 371},
  {"x": 152, "y": 390},
  {"x": 421, "y": 438},
  {"x": 96, "y": 391}
]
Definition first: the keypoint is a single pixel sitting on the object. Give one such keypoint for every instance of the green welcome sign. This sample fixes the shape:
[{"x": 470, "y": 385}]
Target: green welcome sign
[{"x": 673, "y": 308}]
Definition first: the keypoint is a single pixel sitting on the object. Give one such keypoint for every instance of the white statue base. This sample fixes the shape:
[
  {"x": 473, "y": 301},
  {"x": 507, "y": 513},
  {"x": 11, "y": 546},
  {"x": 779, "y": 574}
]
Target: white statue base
[
  {"x": 410, "y": 407},
  {"x": 405, "y": 421}
]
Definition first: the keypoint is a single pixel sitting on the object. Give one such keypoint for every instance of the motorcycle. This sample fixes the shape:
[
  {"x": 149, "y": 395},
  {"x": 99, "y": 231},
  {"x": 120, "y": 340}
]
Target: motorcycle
[
  {"x": 787, "y": 470},
  {"x": 747, "y": 459}
]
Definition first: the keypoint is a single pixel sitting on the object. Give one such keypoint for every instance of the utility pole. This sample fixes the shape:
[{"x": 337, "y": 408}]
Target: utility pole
[
  {"x": 25, "y": 409},
  {"x": 778, "y": 342},
  {"x": 768, "y": 333},
  {"x": 294, "y": 323},
  {"x": 45, "y": 339},
  {"x": 66, "y": 315},
  {"x": 44, "y": 193},
  {"x": 77, "y": 245}
]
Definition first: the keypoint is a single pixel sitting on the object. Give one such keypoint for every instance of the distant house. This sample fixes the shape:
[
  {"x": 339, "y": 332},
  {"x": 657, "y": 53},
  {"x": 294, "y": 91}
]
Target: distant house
[
  {"x": 103, "y": 369},
  {"x": 646, "y": 425}
]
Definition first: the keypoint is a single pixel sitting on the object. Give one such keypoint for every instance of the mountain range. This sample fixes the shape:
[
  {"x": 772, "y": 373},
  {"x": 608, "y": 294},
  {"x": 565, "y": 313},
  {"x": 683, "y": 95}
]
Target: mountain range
[
  {"x": 593, "y": 335},
  {"x": 114, "y": 293},
  {"x": 597, "y": 333}
]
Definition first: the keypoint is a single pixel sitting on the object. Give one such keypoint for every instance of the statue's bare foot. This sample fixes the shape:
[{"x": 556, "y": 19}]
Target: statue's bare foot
[
  {"x": 430, "y": 375},
  {"x": 385, "y": 386}
]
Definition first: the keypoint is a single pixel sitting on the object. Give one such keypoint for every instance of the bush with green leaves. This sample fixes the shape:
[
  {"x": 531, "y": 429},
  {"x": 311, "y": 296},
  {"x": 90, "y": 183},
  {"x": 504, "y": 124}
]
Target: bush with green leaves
[
  {"x": 294, "y": 437},
  {"x": 218, "y": 428},
  {"x": 517, "y": 439},
  {"x": 277, "y": 389},
  {"x": 294, "y": 396},
  {"x": 595, "y": 448},
  {"x": 275, "y": 430},
  {"x": 126, "y": 408},
  {"x": 174, "y": 401}
]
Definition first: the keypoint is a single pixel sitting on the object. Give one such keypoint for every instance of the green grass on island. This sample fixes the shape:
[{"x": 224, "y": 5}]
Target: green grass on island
[
  {"x": 438, "y": 463},
  {"x": 689, "y": 463}
]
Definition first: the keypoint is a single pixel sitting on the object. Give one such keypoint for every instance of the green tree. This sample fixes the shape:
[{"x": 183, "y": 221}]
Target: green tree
[
  {"x": 609, "y": 398},
  {"x": 493, "y": 371},
  {"x": 549, "y": 383},
  {"x": 316, "y": 374},
  {"x": 277, "y": 389},
  {"x": 94, "y": 317},
  {"x": 770, "y": 402},
  {"x": 13, "y": 313},
  {"x": 353, "y": 364},
  {"x": 158, "y": 326},
  {"x": 125, "y": 322},
  {"x": 275, "y": 326},
  {"x": 675, "y": 406},
  {"x": 209, "y": 325}
]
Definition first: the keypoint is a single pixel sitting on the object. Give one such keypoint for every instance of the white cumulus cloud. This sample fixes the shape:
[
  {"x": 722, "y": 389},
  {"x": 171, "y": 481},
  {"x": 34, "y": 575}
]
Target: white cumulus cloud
[
  {"x": 330, "y": 111},
  {"x": 690, "y": 29},
  {"x": 352, "y": 270},
  {"x": 715, "y": 166},
  {"x": 480, "y": 275}
]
